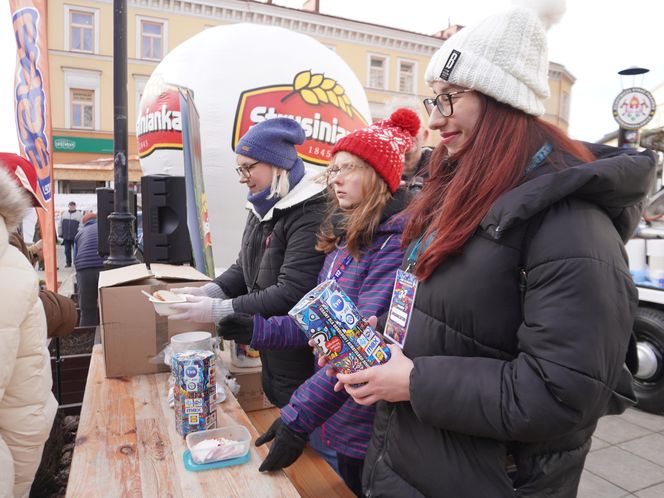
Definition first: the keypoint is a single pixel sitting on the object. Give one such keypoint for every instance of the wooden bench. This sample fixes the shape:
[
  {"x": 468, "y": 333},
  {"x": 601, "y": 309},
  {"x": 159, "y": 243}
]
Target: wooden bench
[
  {"x": 69, "y": 372},
  {"x": 127, "y": 445}
]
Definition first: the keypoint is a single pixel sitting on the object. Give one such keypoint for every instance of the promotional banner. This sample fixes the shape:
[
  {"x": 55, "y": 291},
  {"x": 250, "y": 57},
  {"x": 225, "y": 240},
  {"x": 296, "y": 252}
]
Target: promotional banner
[
  {"x": 317, "y": 102},
  {"x": 239, "y": 77},
  {"x": 197, "y": 211},
  {"x": 33, "y": 118},
  {"x": 159, "y": 125}
]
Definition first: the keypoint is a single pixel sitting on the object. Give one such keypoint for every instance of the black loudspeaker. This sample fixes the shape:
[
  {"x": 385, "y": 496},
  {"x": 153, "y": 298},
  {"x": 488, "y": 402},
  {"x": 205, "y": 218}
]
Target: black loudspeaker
[
  {"x": 165, "y": 234},
  {"x": 105, "y": 206}
]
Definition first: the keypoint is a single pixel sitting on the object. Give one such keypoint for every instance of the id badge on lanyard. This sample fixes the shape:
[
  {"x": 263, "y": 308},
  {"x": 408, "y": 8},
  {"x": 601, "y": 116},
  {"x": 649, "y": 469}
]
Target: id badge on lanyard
[
  {"x": 403, "y": 298},
  {"x": 401, "y": 307}
]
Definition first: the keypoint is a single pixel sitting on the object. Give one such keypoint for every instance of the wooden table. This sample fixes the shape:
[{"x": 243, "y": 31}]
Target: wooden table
[
  {"x": 127, "y": 445},
  {"x": 310, "y": 474}
]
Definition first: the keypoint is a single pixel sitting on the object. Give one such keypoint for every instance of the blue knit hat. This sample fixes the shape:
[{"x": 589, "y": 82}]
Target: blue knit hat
[{"x": 273, "y": 142}]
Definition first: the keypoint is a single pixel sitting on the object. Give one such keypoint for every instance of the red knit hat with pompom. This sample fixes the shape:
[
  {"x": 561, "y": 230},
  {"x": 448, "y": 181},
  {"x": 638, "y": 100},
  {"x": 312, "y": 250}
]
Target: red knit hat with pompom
[{"x": 383, "y": 144}]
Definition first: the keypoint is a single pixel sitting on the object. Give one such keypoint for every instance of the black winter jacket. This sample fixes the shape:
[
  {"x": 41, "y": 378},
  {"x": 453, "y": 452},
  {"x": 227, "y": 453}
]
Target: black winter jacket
[
  {"x": 277, "y": 265},
  {"x": 501, "y": 371}
]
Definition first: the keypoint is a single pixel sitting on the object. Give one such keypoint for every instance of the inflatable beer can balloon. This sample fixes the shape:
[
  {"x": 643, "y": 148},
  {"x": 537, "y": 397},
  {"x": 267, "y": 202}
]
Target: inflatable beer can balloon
[{"x": 241, "y": 75}]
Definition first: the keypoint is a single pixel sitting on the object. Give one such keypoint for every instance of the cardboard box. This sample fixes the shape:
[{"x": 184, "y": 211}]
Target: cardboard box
[
  {"x": 251, "y": 396},
  {"x": 132, "y": 332}
]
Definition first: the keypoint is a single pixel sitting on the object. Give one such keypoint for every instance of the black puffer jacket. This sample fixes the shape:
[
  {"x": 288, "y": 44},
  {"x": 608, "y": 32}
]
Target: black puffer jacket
[
  {"x": 277, "y": 265},
  {"x": 497, "y": 376}
]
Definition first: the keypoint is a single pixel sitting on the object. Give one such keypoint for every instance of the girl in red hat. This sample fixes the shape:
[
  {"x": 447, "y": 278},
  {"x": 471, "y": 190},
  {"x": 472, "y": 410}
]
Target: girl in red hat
[{"x": 361, "y": 236}]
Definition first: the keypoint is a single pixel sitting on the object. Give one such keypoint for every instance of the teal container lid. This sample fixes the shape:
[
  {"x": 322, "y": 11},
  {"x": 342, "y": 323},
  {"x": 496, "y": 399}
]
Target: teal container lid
[{"x": 198, "y": 467}]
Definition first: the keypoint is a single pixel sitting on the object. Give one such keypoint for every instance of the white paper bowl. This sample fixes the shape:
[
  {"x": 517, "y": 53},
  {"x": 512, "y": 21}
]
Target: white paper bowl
[{"x": 163, "y": 308}]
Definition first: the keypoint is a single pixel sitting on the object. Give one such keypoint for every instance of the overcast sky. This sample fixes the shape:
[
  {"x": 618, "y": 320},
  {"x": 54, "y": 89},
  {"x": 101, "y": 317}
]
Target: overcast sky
[{"x": 594, "y": 40}]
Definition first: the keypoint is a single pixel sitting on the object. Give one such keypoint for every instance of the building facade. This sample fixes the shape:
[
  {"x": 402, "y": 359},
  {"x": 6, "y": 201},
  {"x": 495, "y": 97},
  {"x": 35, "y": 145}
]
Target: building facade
[
  {"x": 388, "y": 62},
  {"x": 557, "y": 106}
]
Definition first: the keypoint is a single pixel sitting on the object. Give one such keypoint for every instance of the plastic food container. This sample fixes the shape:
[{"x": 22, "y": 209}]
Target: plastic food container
[
  {"x": 187, "y": 341},
  {"x": 163, "y": 308},
  {"x": 207, "y": 454}
]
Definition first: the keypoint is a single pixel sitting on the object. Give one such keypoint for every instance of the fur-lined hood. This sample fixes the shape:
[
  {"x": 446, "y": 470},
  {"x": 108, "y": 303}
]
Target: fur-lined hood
[{"x": 14, "y": 202}]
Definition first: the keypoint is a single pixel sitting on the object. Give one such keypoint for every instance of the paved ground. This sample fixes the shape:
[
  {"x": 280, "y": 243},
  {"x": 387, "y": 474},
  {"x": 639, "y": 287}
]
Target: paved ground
[
  {"x": 626, "y": 457},
  {"x": 66, "y": 276},
  {"x": 627, "y": 454}
]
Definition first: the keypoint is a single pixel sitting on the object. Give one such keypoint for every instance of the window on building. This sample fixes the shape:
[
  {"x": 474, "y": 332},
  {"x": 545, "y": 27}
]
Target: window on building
[
  {"x": 82, "y": 99},
  {"x": 82, "y": 108},
  {"x": 79, "y": 186},
  {"x": 81, "y": 31},
  {"x": 152, "y": 40},
  {"x": 407, "y": 73},
  {"x": 377, "y": 72}
]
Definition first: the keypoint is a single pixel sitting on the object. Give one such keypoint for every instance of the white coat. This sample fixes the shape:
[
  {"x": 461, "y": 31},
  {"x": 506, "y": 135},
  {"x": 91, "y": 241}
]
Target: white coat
[{"x": 27, "y": 406}]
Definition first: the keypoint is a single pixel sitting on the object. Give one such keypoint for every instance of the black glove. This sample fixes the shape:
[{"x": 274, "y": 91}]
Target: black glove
[
  {"x": 238, "y": 327},
  {"x": 287, "y": 447}
]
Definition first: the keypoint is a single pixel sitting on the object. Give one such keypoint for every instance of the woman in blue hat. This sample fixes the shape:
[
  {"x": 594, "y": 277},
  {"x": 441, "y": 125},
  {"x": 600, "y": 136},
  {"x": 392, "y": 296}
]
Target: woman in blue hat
[{"x": 278, "y": 262}]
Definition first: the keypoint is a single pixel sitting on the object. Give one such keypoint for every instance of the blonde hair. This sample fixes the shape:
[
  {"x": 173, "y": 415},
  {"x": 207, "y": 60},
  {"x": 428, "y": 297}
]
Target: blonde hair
[
  {"x": 280, "y": 185},
  {"x": 359, "y": 222}
]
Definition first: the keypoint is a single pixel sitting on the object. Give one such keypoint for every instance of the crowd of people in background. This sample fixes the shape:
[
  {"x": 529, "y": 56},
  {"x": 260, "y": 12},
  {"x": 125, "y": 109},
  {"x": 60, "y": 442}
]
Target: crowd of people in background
[{"x": 508, "y": 228}]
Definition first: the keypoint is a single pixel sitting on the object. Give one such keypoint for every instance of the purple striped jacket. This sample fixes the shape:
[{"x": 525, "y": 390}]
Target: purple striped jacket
[{"x": 347, "y": 426}]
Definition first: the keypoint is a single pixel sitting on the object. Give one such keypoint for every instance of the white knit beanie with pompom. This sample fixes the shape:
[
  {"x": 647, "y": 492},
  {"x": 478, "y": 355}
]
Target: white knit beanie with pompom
[{"x": 504, "y": 56}]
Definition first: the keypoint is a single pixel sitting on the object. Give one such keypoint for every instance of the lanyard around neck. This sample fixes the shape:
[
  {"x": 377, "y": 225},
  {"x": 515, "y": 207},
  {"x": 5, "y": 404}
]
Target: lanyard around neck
[
  {"x": 535, "y": 162},
  {"x": 341, "y": 268},
  {"x": 539, "y": 157},
  {"x": 415, "y": 251}
]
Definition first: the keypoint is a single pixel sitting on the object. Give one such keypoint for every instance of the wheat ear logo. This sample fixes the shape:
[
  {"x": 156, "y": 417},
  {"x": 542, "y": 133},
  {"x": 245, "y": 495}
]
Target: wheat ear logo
[
  {"x": 315, "y": 89},
  {"x": 319, "y": 103}
]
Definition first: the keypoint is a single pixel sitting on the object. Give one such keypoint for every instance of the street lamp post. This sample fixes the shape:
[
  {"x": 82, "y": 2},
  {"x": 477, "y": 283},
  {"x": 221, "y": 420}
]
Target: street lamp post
[{"x": 122, "y": 242}]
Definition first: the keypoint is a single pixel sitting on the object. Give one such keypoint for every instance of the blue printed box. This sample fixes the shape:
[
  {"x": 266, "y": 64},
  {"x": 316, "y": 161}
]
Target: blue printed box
[
  {"x": 328, "y": 317},
  {"x": 194, "y": 391}
]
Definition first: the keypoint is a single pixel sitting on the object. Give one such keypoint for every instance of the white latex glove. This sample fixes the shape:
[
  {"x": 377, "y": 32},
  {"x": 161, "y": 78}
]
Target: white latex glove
[
  {"x": 192, "y": 291},
  {"x": 196, "y": 309}
]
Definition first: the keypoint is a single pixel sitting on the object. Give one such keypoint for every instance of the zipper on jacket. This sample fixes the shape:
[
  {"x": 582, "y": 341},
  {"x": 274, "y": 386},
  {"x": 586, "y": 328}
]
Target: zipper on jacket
[
  {"x": 381, "y": 455},
  {"x": 258, "y": 246},
  {"x": 523, "y": 285}
]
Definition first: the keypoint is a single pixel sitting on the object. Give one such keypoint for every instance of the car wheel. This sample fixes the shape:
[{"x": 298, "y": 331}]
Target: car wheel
[{"x": 649, "y": 378}]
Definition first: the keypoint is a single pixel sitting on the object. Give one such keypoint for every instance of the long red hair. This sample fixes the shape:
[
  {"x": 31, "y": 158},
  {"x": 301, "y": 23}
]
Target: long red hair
[{"x": 460, "y": 192}]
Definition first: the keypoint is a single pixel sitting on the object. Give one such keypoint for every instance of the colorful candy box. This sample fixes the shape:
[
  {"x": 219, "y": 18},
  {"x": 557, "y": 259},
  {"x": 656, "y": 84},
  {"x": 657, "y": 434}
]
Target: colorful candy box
[
  {"x": 329, "y": 317},
  {"x": 194, "y": 391}
]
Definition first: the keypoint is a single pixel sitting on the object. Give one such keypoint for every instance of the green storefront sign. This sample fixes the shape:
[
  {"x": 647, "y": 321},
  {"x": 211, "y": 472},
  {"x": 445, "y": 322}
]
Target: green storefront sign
[{"x": 82, "y": 144}]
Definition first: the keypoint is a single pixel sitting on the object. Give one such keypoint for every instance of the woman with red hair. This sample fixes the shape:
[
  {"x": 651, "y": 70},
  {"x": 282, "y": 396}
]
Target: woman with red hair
[{"x": 524, "y": 303}]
